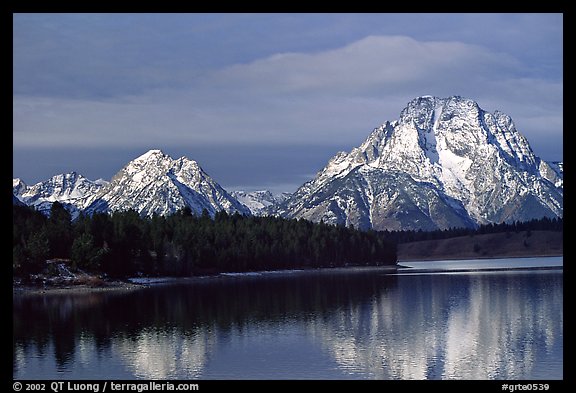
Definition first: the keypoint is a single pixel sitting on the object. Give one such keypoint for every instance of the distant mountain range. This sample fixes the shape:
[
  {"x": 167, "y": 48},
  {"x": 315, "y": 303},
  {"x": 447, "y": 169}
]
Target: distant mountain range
[
  {"x": 444, "y": 163},
  {"x": 72, "y": 190},
  {"x": 260, "y": 203},
  {"x": 153, "y": 183}
]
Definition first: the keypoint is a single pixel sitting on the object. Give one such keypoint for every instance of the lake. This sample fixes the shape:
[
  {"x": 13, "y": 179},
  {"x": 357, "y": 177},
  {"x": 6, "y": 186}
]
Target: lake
[{"x": 424, "y": 322}]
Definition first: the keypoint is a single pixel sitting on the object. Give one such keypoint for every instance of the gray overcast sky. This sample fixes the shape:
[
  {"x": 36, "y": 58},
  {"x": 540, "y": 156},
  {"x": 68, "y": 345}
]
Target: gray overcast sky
[{"x": 264, "y": 100}]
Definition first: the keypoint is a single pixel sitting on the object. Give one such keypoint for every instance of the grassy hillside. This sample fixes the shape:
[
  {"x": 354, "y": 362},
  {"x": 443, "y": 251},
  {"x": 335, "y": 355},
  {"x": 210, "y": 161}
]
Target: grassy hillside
[{"x": 492, "y": 245}]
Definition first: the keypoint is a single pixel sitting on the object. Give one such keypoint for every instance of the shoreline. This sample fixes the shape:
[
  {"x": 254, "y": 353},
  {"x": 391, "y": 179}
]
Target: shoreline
[
  {"x": 146, "y": 282},
  {"x": 473, "y": 258},
  {"x": 417, "y": 270},
  {"x": 112, "y": 286},
  {"x": 139, "y": 283}
]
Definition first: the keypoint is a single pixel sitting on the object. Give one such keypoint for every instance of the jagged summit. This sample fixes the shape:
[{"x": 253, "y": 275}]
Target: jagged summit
[
  {"x": 155, "y": 183},
  {"x": 445, "y": 162},
  {"x": 149, "y": 154}
]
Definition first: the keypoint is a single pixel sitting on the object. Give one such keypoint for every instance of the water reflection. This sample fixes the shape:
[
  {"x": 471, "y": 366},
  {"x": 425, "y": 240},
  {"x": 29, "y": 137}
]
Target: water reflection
[
  {"x": 504, "y": 327},
  {"x": 165, "y": 354},
  {"x": 479, "y": 326},
  {"x": 360, "y": 325}
]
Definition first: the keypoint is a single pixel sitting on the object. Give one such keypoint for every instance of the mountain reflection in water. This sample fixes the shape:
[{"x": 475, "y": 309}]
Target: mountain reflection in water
[{"x": 358, "y": 324}]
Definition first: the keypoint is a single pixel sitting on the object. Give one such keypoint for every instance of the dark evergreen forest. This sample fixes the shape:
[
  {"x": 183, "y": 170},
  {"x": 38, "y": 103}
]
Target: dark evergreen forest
[{"x": 123, "y": 243}]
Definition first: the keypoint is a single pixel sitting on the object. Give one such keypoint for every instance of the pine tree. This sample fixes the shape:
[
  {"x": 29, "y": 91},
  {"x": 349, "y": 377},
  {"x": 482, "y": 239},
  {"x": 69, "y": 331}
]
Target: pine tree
[
  {"x": 84, "y": 254},
  {"x": 59, "y": 231}
]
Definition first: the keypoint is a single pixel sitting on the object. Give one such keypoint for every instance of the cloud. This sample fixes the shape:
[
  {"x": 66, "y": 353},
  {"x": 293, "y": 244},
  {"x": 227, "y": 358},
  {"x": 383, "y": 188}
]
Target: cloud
[
  {"x": 334, "y": 96},
  {"x": 367, "y": 65}
]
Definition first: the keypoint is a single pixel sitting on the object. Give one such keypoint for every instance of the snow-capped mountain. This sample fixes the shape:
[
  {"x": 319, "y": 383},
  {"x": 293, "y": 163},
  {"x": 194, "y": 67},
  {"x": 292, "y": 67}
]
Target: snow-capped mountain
[
  {"x": 260, "y": 203},
  {"x": 154, "y": 183},
  {"x": 72, "y": 190},
  {"x": 18, "y": 187},
  {"x": 444, "y": 163}
]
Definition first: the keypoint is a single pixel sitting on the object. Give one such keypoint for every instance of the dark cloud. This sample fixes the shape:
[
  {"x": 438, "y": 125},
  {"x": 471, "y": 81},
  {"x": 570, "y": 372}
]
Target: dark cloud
[{"x": 105, "y": 55}]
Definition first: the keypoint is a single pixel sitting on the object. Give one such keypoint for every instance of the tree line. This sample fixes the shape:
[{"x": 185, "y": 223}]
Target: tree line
[
  {"x": 541, "y": 224},
  {"x": 124, "y": 243}
]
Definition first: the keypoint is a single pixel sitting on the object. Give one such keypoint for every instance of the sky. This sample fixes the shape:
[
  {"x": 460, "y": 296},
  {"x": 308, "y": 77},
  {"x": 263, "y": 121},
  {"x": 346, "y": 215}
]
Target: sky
[{"x": 263, "y": 101}]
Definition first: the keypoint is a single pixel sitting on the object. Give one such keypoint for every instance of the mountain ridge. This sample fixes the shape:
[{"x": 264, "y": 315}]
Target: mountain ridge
[
  {"x": 445, "y": 162},
  {"x": 72, "y": 190}
]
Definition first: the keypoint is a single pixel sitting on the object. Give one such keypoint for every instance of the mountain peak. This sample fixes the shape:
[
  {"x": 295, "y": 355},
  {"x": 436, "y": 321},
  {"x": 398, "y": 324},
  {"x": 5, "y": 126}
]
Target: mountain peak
[
  {"x": 154, "y": 183},
  {"x": 444, "y": 163},
  {"x": 17, "y": 182},
  {"x": 150, "y": 153}
]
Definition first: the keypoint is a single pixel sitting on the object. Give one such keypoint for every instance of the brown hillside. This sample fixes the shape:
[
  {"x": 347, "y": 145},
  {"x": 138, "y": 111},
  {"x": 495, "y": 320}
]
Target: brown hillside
[{"x": 492, "y": 245}]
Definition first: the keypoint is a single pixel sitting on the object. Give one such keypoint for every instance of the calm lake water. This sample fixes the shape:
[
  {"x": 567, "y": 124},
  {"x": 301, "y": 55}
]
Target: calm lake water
[{"x": 352, "y": 324}]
